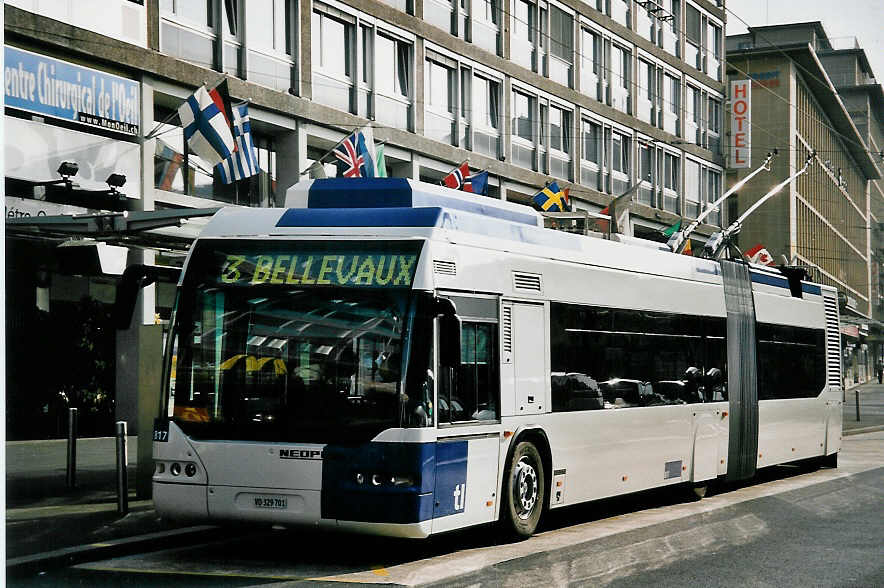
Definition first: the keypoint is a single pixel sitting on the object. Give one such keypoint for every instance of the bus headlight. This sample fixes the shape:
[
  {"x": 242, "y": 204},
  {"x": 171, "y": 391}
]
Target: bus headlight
[
  {"x": 401, "y": 480},
  {"x": 376, "y": 480},
  {"x": 360, "y": 479},
  {"x": 175, "y": 469},
  {"x": 190, "y": 470}
]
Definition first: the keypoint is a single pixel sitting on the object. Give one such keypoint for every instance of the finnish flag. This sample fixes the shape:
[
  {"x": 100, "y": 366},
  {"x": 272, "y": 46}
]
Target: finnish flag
[
  {"x": 244, "y": 161},
  {"x": 206, "y": 126}
]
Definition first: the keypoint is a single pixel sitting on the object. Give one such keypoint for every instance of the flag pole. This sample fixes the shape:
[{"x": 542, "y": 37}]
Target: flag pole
[
  {"x": 153, "y": 133},
  {"x": 324, "y": 155}
]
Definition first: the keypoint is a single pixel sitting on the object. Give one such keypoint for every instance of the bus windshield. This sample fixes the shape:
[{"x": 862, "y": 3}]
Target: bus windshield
[{"x": 290, "y": 362}]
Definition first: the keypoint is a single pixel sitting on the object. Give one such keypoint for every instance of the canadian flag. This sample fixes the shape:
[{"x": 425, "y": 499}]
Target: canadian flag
[{"x": 760, "y": 255}]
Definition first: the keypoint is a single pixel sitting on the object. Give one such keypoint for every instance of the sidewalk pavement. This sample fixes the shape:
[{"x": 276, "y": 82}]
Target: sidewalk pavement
[
  {"x": 871, "y": 408},
  {"x": 48, "y": 525}
]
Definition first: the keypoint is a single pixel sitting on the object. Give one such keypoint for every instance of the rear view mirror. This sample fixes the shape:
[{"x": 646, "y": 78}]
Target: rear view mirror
[{"x": 449, "y": 332}]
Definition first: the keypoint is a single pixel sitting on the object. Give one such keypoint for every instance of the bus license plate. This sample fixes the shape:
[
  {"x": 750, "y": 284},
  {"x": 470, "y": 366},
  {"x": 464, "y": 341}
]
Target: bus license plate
[{"x": 277, "y": 502}]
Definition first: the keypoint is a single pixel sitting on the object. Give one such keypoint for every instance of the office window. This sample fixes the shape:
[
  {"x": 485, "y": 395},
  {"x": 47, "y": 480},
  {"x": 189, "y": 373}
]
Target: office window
[
  {"x": 691, "y": 188},
  {"x": 693, "y": 35},
  {"x": 672, "y": 103},
  {"x": 485, "y": 115},
  {"x": 486, "y": 25},
  {"x": 561, "y": 35},
  {"x": 524, "y": 33},
  {"x": 620, "y": 163},
  {"x": 646, "y": 20},
  {"x": 590, "y": 162},
  {"x": 646, "y": 96},
  {"x": 403, "y": 5},
  {"x": 440, "y": 13},
  {"x": 714, "y": 126},
  {"x": 671, "y": 186},
  {"x": 392, "y": 81},
  {"x": 692, "y": 115},
  {"x": 591, "y": 63},
  {"x": 439, "y": 97},
  {"x": 187, "y": 30},
  {"x": 670, "y": 30},
  {"x": 646, "y": 174},
  {"x": 620, "y": 73},
  {"x": 713, "y": 193},
  {"x": 524, "y": 109},
  {"x": 560, "y": 142},
  {"x": 714, "y": 51},
  {"x": 269, "y": 31},
  {"x": 332, "y": 52},
  {"x": 620, "y": 12}
]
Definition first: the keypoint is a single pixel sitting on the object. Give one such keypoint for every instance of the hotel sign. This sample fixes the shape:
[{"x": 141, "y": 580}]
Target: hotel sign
[
  {"x": 741, "y": 124},
  {"x": 51, "y": 87}
]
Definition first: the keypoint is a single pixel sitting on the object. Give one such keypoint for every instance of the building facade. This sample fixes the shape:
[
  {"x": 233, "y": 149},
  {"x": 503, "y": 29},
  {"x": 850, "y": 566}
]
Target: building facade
[
  {"x": 848, "y": 68},
  {"x": 824, "y": 220},
  {"x": 596, "y": 95}
]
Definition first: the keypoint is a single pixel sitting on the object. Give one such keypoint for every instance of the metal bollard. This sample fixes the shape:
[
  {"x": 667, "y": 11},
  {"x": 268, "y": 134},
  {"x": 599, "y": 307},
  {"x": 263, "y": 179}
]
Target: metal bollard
[
  {"x": 71, "y": 478},
  {"x": 122, "y": 473},
  {"x": 857, "y": 404}
]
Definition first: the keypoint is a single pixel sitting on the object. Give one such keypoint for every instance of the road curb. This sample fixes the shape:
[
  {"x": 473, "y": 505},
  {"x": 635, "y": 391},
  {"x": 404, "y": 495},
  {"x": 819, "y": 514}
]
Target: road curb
[
  {"x": 863, "y": 430},
  {"x": 69, "y": 556}
]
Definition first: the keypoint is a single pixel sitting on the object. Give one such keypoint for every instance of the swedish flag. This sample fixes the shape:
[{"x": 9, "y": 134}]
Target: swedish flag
[{"x": 552, "y": 199}]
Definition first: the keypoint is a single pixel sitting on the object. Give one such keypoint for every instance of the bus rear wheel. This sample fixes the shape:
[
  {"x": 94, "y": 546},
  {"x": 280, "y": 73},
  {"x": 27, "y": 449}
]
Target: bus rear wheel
[{"x": 524, "y": 491}]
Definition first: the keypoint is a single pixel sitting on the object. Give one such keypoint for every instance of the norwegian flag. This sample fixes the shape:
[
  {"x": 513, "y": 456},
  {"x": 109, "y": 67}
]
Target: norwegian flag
[
  {"x": 760, "y": 255},
  {"x": 354, "y": 158},
  {"x": 458, "y": 175}
]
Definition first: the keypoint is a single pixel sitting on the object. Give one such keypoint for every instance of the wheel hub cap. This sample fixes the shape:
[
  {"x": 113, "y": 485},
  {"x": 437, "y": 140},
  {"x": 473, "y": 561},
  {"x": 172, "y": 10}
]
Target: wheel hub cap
[{"x": 525, "y": 488}]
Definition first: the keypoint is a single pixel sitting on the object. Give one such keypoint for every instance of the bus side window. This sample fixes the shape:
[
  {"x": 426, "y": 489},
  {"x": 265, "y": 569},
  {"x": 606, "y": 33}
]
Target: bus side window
[{"x": 475, "y": 390}]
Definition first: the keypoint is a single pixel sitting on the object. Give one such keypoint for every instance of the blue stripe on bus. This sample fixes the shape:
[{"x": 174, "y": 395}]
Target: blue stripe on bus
[
  {"x": 345, "y": 499},
  {"x": 398, "y": 193},
  {"x": 781, "y": 282},
  {"x": 361, "y": 217},
  {"x": 359, "y": 193},
  {"x": 451, "y": 478}
]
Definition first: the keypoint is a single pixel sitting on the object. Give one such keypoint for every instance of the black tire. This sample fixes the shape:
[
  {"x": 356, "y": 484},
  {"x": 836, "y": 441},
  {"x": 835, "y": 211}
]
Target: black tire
[
  {"x": 699, "y": 489},
  {"x": 524, "y": 491}
]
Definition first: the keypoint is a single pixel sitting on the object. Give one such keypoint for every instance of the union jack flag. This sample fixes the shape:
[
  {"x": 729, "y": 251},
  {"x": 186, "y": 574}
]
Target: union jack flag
[{"x": 354, "y": 158}]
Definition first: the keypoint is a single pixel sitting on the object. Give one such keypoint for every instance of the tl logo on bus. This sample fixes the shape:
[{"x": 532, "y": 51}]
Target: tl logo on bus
[{"x": 460, "y": 496}]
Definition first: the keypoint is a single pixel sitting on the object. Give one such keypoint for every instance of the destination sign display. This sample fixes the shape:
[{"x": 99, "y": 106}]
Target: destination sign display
[{"x": 349, "y": 269}]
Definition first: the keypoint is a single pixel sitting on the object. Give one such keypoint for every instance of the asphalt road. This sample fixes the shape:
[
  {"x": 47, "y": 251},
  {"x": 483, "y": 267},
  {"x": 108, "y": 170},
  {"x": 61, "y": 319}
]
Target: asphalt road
[{"x": 787, "y": 528}]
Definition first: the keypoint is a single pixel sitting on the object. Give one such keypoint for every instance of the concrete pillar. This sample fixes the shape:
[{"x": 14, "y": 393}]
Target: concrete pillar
[
  {"x": 417, "y": 99},
  {"x": 306, "y": 73},
  {"x": 290, "y": 161},
  {"x": 139, "y": 348},
  {"x": 153, "y": 24}
]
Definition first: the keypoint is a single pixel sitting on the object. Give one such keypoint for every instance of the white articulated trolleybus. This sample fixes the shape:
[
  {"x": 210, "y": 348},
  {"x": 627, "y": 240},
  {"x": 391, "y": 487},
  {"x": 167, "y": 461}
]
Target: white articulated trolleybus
[{"x": 393, "y": 357}]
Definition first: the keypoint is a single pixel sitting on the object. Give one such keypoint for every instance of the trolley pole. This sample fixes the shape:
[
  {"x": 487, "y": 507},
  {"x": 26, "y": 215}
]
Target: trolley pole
[
  {"x": 122, "y": 473},
  {"x": 71, "y": 478}
]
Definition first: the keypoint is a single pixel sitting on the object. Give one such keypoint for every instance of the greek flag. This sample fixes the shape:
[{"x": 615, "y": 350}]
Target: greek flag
[
  {"x": 244, "y": 161},
  {"x": 206, "y": 125}
]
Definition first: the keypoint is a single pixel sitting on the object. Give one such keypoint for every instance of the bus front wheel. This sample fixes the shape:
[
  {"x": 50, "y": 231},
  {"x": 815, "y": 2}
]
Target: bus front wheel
[{"x": 524, "y": 491}]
